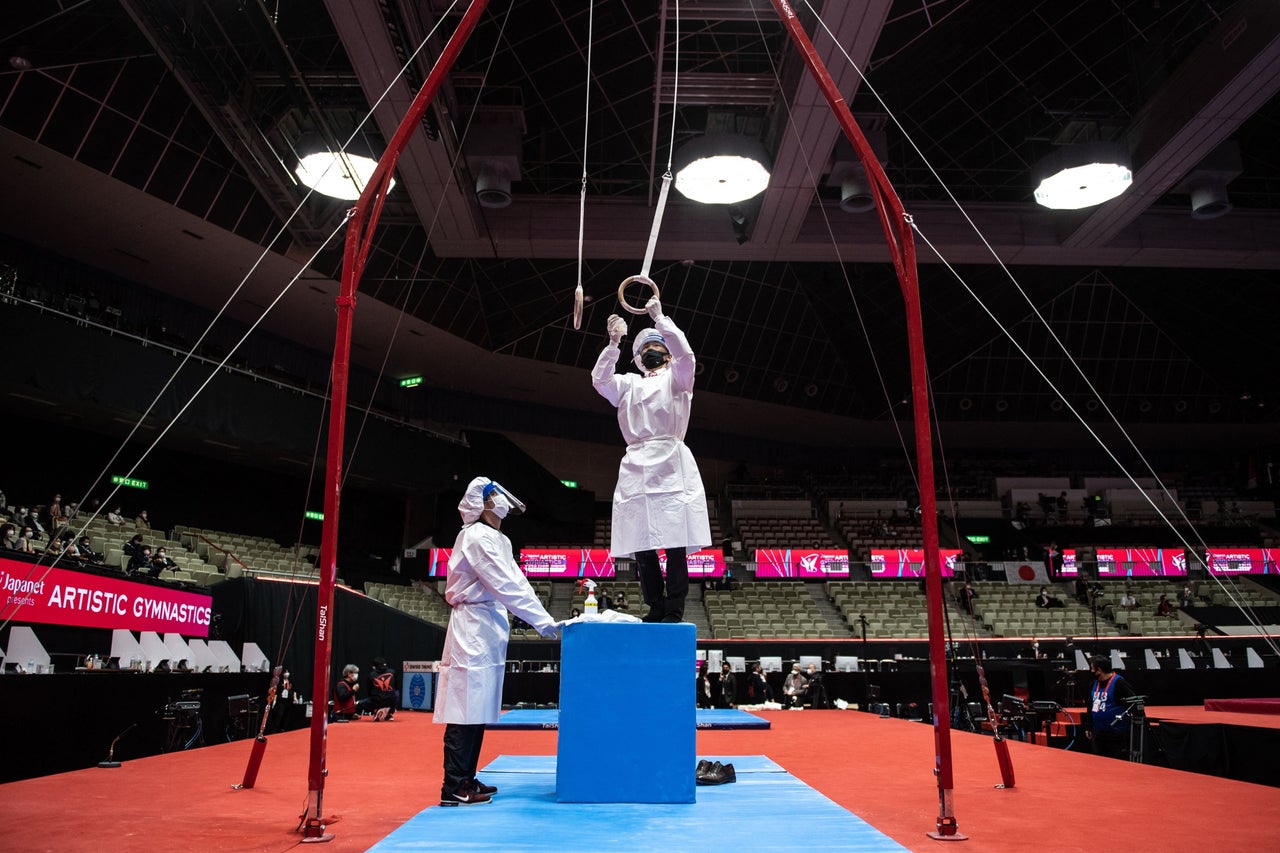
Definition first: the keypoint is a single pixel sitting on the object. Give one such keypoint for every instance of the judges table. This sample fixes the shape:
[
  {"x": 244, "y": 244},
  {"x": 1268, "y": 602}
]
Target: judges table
[{"x": 67, "y": 721}]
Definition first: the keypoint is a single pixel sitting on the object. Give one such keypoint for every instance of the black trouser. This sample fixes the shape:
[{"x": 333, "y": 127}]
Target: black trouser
[
  {"x": 461, "y": 755},
  {"x": 677, "y": 584},
  {"x": 1111, "y": 744}
]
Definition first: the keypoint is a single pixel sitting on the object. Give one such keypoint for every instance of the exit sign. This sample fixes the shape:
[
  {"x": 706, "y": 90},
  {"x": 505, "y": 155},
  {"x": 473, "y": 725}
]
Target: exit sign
[
  {"x": 411, "y": 382},
  {"x": 129, "y": 482},
  {"x": 569, "y": 484},
  {"x": 979, "y": 539},
  {"x": 312, "y": 515}
]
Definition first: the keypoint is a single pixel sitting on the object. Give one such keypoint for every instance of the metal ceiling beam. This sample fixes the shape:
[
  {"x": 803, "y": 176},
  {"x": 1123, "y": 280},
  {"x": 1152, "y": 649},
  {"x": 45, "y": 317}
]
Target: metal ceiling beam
[
  {"x": 806, "y": 142},
  {"x": 1224, "y": 81}
]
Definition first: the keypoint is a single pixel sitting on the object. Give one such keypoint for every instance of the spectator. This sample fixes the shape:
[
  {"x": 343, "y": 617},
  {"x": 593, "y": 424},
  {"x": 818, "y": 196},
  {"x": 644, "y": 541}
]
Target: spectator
[
  {"x": 115, "y": 518},
  {"x": 141, "y": 562},
  {"x": 1164, "y": 607},
  {"x": 141, "y": 524},
  {"x": 967, "y": 595},
  {"x": 161, "y": 562},
  {"x": 26, "y": 542},
  {"x": 86, "y": 552},
  {"x": 1129, "y": 601},
  {"x": 9, "y": 538},
  {"x": 758, "y": 689},
  {"x": 134, "y": 546},
  {"x": 56, "y": 517},
  {"x": 1044, "y": 599},
  {"x": 30, "y": 518},
  {"x": 72, "y": 511},
  {"x": 1187, "y": 598},
  {"x": 622, "y": 600}
]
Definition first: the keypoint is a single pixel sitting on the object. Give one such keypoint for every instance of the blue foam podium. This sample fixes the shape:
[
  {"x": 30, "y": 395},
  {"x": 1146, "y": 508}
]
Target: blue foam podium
[{"x": 627, "y": 715}]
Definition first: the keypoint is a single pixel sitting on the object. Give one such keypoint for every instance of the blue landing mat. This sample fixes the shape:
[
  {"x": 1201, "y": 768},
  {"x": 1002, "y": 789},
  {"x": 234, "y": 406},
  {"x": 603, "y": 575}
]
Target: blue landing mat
[
  {"x": 708, "y": 718},
  {"x": 525, "y": 816}
]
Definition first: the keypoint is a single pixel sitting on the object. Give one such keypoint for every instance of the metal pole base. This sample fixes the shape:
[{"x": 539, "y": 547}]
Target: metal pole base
[
  {"x": 947, "y": 831},
  {"x": 313, "y": 832}
]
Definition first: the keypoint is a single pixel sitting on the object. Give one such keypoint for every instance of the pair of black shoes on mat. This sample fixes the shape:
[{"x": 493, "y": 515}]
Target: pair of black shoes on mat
[
  {"x": 473, "y": 793},
  {"x": 661, "y": 614},
  {"x": 715, "y": 773}
]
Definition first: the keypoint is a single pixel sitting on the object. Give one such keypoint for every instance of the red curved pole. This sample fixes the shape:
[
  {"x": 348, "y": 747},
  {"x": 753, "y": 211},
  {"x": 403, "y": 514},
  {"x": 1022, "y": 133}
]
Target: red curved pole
[
  {"x": 902, "y": 249},
  {"x": 360, "y": 230}
]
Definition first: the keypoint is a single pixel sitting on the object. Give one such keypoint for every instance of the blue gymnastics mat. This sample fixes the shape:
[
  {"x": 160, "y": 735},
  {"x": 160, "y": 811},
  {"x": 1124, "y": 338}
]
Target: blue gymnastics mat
[
  {"x": 524, "y": 816},
  {"x": 707, "y": 718}
]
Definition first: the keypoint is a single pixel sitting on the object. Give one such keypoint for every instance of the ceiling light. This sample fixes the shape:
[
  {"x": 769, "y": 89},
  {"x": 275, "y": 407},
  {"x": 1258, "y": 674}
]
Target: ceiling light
[
  {"x": 337, "y": 174},
  {"x": 1085, "y": 175},
  {"x": 721, "y": 169}
]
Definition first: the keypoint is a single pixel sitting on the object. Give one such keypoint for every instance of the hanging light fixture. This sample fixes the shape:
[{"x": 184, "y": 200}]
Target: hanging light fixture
[
  {"x": 721, "y": 168},
  {"x": 337, "y": 174},
  {"x": 1082, "y": 175}
]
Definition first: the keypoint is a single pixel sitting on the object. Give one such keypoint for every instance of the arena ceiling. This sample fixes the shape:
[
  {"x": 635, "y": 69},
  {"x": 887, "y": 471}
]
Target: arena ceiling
[{"x": 155, "y": 139}]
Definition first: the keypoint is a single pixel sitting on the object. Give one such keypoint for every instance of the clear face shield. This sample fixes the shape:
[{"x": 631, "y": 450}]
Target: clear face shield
[{"x": 505, "y": 504}]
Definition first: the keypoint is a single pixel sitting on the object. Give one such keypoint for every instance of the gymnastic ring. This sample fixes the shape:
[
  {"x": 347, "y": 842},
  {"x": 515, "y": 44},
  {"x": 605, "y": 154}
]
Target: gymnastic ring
[{"x": 622, "y": 291}]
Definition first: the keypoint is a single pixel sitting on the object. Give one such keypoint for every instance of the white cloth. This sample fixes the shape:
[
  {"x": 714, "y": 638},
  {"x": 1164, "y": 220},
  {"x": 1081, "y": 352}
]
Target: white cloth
[
  {"x": 484, "y": 582},
  {"x": 659, "y": 501}
]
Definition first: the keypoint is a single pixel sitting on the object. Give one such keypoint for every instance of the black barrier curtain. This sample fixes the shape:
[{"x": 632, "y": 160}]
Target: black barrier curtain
[
  {"x": 1234, "y": 752},
  {"x": 261, "y": 611}
]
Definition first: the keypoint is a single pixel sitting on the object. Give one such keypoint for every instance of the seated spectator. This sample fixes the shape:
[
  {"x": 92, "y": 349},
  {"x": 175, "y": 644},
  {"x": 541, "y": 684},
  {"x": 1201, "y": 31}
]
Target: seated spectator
[
  {"x": 622, "y": 601},
  {"x": 134, "y": 546},
  {"x": 30, "y": 519},
  {"x": 1044, "y": 599},
  {"x": 26, "y": 542},
  {"x": 57, "y": 545},
  {"x": 383, "y": 696},
  {"x": 9, "y": 538},
  {"x": 1164, "y": 607},
  {"x": 115, "y": 518},
  {"x": 85, "y": 552},
  {"x": 161, "y": 561},
  {"x": 140, "y": 562},
  {"x": 72, "y": 511},
  {"x": 1129, "y": 601},
  {"x": 141, "y": 524},
  {"x": 345, "y": 706}
]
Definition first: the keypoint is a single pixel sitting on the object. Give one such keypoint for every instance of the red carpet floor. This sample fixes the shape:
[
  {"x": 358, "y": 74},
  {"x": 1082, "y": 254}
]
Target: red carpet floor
[{"x": 383, "y": 773}]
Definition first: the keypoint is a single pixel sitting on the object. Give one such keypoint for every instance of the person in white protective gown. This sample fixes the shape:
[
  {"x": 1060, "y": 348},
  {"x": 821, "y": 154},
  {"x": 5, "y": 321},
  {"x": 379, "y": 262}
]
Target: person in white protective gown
[
  {"x": 659, "y": 502},
  {"x": 484, "y": 583}
]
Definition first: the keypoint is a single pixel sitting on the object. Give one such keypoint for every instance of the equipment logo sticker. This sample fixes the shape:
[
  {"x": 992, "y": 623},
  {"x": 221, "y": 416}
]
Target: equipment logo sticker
[{"x": 417, "y": 690}]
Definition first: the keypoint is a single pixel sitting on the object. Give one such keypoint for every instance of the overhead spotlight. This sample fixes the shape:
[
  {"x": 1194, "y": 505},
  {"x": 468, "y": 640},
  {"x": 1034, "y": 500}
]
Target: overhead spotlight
[
  {"x": 493, "y": 187},
  {"x": 1082, "y": 175},
  {"x": 19, "y": 63},
  {"x": 811, "y": 390},
  {"x": 340, "y": 174},
  {"x": 731, "y": 375},
  {"x": 1144, "y": 406},
  {"x": 1215, "y": 407},
  {"x": 721, "y": 168},
  {"x": 1055, "y": 404},
  {"x": 493, "y": 153},
  {"x": 780, "y": 384},
  {"x": 965, "y": 404},
  {"x": 699, "y": 368},
  {"x": 1091, "y": 405},
  {"x": 1002, "y": 405},
  {"x": 1207, "y": 182},
  {"x": 848, "y": 173},
  {"x": 1180, "y": 406},
  {"x": 1245, "y": 396}
]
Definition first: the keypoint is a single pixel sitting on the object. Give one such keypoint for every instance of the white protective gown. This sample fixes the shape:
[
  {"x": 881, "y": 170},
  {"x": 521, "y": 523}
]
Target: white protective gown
[
  {"x": 484, "y": 582},
  {"x": 659, "y": 501}
]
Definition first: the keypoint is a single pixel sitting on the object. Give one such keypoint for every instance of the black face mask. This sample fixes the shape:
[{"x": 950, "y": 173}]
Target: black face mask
[{"x": 652, "y": 359}]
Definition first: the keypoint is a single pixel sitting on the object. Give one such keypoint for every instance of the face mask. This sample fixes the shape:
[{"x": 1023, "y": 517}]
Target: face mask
[
  {"x": 501, "y": 506},
  {"x": 652, "y": 359}
]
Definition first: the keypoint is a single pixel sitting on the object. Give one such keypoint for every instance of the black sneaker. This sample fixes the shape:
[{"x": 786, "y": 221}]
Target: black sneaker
[
  {"x": 464, "y": 797},
  {"x": 481, "y": 788},
  {"x": 673, "y": 616},
  {"x": 654, "y": 615}
]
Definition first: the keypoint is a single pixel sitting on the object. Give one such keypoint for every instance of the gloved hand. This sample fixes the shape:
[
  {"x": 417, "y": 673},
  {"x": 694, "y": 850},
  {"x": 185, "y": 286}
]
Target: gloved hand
[
  {"x": 654, "y": 307},
  {"x": 552, "y": 630},
  {"x": 617, "y": 328}
]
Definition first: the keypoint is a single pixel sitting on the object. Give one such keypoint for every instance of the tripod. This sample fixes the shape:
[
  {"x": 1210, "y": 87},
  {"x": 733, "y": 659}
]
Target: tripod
[{"x": 1137, "y": 729}]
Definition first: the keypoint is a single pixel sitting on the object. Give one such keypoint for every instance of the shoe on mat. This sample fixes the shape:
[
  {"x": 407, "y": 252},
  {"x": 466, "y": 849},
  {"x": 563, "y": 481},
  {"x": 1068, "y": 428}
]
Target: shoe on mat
[
  {"x": 703, "y": 767},
  {"x": 654, "y": 615},
  {"x": 719, "y": 774},
  {"x": 673, "y": 616},
  {"x": 464, "y": 796},
  {"x": 481, "y": 788}
]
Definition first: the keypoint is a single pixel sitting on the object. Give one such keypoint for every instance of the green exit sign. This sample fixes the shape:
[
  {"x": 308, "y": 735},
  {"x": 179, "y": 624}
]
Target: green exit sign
[
  {"x": 569, "y": 484},
  {"x": 312, "y": 515},
  {"x": 979, "y": 539},
  {"x": 129, "y": 482},
  {"x": 411, "y": 382}
]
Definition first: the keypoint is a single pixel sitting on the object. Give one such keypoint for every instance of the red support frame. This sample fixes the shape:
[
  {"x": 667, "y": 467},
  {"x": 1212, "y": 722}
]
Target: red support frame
[
  {"x": 902, "y": 249},
  {"x": 363, "y": 221}
]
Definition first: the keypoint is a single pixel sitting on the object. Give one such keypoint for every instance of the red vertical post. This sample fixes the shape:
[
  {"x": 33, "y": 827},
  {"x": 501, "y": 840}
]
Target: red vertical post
[
  {"x": 360, "y": 230},
  {"x": 897, "y": 229}
]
